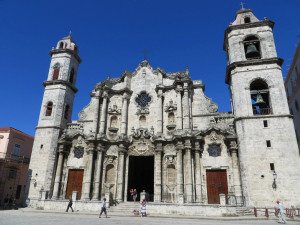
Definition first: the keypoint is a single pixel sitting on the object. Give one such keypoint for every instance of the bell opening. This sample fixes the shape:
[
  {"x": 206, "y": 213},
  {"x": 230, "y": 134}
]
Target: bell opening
[{"x": 252, "y": 48}]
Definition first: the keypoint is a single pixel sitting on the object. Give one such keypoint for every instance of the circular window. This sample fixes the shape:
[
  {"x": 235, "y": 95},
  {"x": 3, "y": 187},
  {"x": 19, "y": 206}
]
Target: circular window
[{"x": 143, "y": 99}]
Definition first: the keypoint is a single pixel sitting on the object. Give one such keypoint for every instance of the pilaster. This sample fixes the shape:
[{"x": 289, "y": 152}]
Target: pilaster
[
  {"x": 87, "y": 177},
  {"x": 58, "y": 173},
  {"x": 179, "y": 164},
  {"x": 158, "y": 172},
  {"x": 98, "y": 169}
]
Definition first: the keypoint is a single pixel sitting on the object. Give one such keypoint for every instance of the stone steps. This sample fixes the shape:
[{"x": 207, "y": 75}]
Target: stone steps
[{"x": 244, "y": 211}]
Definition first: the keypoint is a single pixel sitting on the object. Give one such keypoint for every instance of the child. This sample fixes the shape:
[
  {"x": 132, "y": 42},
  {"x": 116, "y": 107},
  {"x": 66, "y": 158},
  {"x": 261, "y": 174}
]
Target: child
[
  {"x": 103, "y": 208},
  {"x": 143, "y": 208}
]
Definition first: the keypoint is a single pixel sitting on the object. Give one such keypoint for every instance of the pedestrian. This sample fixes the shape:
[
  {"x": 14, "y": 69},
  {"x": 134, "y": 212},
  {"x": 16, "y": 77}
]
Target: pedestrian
[
  {"x": 131, "y": 194},
  {"x": 6, "y": 201},
  {"x": 103, "y": 208},
  {"x": 134, "y": 195},
  {"x": 10, "y": 202},
  {"x": 70, "y": 205},
  {"x": 281, "y": 214},
  {"x": 143, "y": 208}
]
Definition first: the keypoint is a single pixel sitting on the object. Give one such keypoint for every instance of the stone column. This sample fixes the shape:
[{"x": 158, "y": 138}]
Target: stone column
[
  {"x": 179, "y": 108},
  {"x": 120, "y": 179},
  {"x": 198, "y": 172},
  {"x": 160, "y": 112},
  {"x": 87, "y": 177},
  {"x": 97, "y": 174},
  {"x": 157, "y": 173},
  {"x": 96, "y": 115},
  {"x": 235, "y": 168},
  {"x": 58, "y": 171},
  {"x": 124, "y": 117},
  {"x": 186, "y": 107},
  {"x": 103, "y": 113},
  {"x": 180, "y": 197},
  {"x": 188, "y": 182}
]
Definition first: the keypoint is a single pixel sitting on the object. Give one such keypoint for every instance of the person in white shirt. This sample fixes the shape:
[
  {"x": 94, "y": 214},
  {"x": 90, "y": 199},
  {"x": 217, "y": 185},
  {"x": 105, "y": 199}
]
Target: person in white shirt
[
  {"x": 281, "y": 214},
  {"x": 103, "y": 208}
]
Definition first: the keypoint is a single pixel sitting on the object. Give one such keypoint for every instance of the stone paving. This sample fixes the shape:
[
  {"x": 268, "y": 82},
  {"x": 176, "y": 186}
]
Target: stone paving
[{"x": 41, "y": 218}]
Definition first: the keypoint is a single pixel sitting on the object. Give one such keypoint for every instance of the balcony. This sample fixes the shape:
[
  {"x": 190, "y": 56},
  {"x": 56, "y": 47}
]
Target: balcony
[{"x": 11, "y": 158}]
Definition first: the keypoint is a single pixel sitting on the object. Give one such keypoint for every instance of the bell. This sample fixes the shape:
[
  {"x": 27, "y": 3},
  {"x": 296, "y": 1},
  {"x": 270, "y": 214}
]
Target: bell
[
  {"x": 259, "y": 100},
  {"x": 252, "y": 51}
]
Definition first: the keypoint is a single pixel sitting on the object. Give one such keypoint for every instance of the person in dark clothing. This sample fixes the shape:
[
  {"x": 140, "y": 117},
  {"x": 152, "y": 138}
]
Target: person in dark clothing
[{"x": 70, "y": 205}]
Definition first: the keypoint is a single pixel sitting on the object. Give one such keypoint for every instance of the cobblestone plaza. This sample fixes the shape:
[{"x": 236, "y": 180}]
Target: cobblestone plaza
[{"x": 39, "y": 218}]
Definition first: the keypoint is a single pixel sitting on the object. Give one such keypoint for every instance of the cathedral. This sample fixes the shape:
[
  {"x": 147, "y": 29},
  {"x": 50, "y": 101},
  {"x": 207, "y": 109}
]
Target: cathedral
[{"x": 157, "y": 132}]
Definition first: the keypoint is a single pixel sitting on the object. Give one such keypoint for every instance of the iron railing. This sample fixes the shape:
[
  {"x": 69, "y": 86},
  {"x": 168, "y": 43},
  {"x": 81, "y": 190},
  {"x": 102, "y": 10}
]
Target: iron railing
[
  {"x": 262, "y": 111},
  {"x": 267, "y": 212}
]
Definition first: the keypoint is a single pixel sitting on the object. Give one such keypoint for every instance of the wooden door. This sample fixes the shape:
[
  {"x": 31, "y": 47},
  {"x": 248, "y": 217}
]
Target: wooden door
[
  {"x": 75, "y": 178},
  {"x": 216, "y": 184}
]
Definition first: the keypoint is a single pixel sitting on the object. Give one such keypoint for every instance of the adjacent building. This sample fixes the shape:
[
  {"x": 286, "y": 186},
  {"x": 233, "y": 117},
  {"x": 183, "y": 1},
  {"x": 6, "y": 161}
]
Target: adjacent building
[
  {"x": 158, "y": 132},
  {"x": 15, "y": 152},
  {"x": 292, "y": 86}
]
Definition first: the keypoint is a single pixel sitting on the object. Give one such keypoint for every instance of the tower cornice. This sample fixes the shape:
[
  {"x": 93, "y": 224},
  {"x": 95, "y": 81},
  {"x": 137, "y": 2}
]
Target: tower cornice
[
  {"x": 254, "y": 62},
  {"x": 66, "y": 83},
  {"x": 57, "y": 51}
]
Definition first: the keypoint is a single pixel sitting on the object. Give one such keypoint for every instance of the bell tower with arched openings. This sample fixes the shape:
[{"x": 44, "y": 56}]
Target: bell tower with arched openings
[
  {"x": 55, "y": 113},
  {"x": 268, "y": 153}
]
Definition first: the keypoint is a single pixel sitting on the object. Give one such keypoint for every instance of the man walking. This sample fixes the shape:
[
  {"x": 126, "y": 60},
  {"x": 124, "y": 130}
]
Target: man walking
[
  {"x": 103, "y": 208},
  {"x": 70, "y": 205}
]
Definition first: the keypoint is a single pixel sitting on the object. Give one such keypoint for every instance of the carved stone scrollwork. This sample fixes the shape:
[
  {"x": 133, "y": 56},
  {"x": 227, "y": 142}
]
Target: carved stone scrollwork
[
  {"x": 141, "y": 148},
  {"x": 171, "y": 106},
  {"x": 214, "y": 136},
  {"x": 142, "y": 111},
  {"x": 114, "y": 110},
  {"x": 110, "y": 159},
  {"x": 170, "y": 159}
]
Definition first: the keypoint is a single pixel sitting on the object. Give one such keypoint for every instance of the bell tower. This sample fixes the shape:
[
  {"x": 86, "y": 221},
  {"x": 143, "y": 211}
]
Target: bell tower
[
  {"x": 55, "y": 113},
  {"x": 268, "y": 155}
]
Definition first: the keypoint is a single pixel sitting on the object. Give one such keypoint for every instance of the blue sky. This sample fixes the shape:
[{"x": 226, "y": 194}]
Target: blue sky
[{"x": 112, "y": 36}]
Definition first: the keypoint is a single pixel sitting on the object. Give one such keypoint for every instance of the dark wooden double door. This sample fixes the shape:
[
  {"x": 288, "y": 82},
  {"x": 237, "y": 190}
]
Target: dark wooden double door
[
  {"x": 216, "y": 181},
  {"x": 75, "y": 179}
]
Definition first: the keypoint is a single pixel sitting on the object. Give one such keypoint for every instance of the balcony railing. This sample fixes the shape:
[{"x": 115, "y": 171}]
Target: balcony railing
[
  {"x": 262, "y": 111},
  {"x": 4, "y": 157}
]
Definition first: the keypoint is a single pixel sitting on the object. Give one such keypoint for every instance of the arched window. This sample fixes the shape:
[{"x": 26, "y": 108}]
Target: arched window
[
  {"x": 114, "y": 122},
  {"x": 71, "y": 79},
  {"x": 49, "y": 108},
  {"x": 247, "y": 19},
  {"x": 171, "y": 118},
  {"x": 142, "y": 121},
  {"x": 61, "y": 45},
  {"x": 67, "y": 112},
  {"x": 110, "y": 174},
  {"x": 55, "y": 73},
  {"x": 260, "y": 97},
  {"x": 252, "y": 48}
]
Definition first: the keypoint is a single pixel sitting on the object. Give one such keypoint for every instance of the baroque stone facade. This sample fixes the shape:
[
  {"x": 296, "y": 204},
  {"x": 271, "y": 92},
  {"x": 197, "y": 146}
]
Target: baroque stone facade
[{"x": 157, "y": 131}]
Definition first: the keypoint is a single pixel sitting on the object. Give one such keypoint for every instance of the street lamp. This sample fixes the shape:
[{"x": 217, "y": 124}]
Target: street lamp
[{"x": 274, "y": 185}]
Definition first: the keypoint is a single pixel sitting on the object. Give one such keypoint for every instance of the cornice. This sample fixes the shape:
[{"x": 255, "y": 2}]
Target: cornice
[
  {"x": 253, "y": 62},
  {"x": 63, "y": 82},
  {"x": 58, "y": 51}
]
